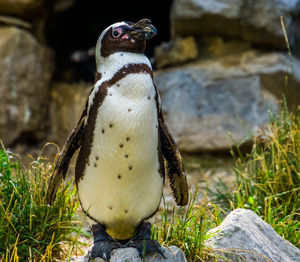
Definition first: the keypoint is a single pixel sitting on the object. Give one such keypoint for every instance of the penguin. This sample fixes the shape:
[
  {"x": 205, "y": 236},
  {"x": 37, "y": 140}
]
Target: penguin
[{"x": 126, "y": 148}]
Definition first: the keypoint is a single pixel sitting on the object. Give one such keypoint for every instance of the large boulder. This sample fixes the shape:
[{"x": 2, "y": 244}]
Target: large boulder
[
  {"x": 257, "y": 22},
  {"x": 244, "y": 236},
  {"x": 205, "y": 100},
  {"x": 26, "y": 69},
  {"x": 176, "y": 52},
  {"x": 24, "y": 8},
  {"x": 67, "y": 102}
]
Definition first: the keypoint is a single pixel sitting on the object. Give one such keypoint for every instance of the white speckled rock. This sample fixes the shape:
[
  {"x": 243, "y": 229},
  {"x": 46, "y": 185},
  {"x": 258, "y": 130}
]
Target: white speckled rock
[
  {"x": 173, "y": 254},
  {"x": 244, "y": 230}
]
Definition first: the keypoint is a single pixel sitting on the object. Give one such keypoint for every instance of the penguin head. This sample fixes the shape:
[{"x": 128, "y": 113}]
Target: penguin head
[{"x": 124, "y": 37}]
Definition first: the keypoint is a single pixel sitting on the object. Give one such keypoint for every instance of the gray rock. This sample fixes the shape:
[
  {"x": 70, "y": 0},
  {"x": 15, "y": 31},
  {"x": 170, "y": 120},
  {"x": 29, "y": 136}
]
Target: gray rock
[
  {"x": 176, "y": 52},
  {"x": 205, "y": 100},
  {"x": 66, "y": 105},
  {"x": 124, "y": 255},
  {"x": 216, "y": 47},
  {"x": 255, "y": 21},
  {"x": 23, "y": 8},
  {"x": 62, "y": 5},
  {"x": 26, "y": 69},
  {"x": 200, "y": 116},
  {"x": 14, "y": 21},
  {"x": 244, "y": 230},
  {"x": 173, "y": 254}
]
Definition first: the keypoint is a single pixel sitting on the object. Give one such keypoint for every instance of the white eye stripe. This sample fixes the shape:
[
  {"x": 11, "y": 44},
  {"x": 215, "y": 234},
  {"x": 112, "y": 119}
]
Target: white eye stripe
[{"x": 99, "y": 41}]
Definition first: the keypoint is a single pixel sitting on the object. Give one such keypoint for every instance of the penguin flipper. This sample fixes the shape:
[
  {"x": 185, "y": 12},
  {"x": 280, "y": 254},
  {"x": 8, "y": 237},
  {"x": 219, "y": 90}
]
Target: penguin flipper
[
  {"x": 61, "y": 166},
  {"x": 174, "y": 164}
]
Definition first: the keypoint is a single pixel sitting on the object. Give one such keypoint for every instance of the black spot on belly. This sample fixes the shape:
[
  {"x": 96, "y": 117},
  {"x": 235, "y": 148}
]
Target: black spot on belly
[
  {"x": 97, "y": 158},
  {"x": 111, "y": 125},
  {"x": 119, "y": 176},
  {"x": 126, "y": 156},
  {"x": 100, "y": 95},
  {"x": 110, "y": 207},
  {"x": 110, "y": 94},
  {"x": 118, "y": 85},
  {"x": 126, "y": 211},
  {"x": 129, "y": 110},
  {"x": 103, "y": 131},
  {"x": 95, "y": 165},
  {"x": 130, "y": 167},
  {"x": 148, "y": 97},
  {"x": 127, "y": 138},
  {"x": 121, "y": 145}
]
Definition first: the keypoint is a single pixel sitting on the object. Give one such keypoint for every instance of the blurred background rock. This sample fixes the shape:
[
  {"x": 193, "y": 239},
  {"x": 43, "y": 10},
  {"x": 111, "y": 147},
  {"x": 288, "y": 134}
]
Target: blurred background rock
[{"x": 218, "y": 64}]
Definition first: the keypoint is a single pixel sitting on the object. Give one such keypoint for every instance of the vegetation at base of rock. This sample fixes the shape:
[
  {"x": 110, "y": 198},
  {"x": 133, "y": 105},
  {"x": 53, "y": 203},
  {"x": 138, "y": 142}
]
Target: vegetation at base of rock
[
  {"x": 268, "y": 178},
  {"x": 30, "y": 229},
  {"x": 267, "y": 182},
  {"x": 186, "y": 228}
]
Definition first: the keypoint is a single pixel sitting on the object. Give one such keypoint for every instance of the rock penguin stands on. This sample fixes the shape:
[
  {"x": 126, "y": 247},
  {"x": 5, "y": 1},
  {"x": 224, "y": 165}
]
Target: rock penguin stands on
[{"x": 125, "y": 145}]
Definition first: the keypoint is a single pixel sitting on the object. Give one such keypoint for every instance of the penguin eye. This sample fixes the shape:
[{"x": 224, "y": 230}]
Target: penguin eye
[{"x": 117, "y": 32}]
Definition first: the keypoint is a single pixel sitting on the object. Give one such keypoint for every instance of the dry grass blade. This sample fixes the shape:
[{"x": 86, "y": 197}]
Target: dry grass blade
[{"x": 29, "y": 228}]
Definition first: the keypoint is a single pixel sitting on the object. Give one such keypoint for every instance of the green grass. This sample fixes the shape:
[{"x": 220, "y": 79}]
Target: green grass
[
  {"x": 31, "y": 230},
  {"x": 187, "y": 228},
  {"x": 268, "y": 178},
  {"x": 267, "y": 181}
]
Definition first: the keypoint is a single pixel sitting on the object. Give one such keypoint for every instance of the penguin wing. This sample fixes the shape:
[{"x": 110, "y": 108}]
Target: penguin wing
[
  {"x": 173, "y": 161},
  {"x": 61, "y": 166}
]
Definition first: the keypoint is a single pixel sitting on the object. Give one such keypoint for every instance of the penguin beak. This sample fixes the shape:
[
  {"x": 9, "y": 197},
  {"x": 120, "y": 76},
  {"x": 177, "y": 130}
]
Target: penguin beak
[{"x": 142, "y": 30}]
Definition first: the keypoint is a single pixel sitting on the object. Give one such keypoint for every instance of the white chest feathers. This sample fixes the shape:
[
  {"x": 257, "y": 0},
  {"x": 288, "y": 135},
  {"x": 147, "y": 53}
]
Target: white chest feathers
[{"x": 122, "y": 185}]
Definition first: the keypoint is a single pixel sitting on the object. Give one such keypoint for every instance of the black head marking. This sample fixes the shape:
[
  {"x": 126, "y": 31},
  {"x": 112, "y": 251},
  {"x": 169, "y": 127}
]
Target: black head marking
[{"x": 122, "y": 43}]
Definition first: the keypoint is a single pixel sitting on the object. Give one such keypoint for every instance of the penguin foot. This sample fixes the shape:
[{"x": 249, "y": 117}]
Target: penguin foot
[
  {"x": 143, "y": 243},
  {"x": 103, "y": 249},
  {"x": 147, "y": 246},
  {"x": 103, "y": 243}
]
